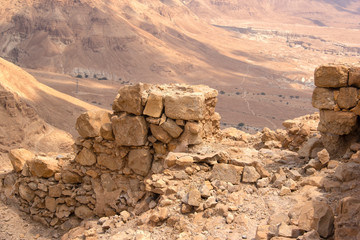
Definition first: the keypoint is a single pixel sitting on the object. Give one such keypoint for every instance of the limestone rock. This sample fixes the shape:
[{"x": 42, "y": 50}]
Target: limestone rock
[
  {"x": 154, "y": 105},
  {"x": 227, "y": 173},
  {"x": 70, "y": 177},
  {"x": 172, "y": 128},
  {"x": 348, "y": 171},
  {"x": 139, "y": 160},
  {"x": 317, "y": 216},
  {"x": 312, "y": 235},
  {"x": 111, "y": 162},
  {"x": 348, "y": 98},
  {"x": 83, "y": 212},
  {"x": 86, "y": 157},
  {"x": 89, "y": 123},
  {"x": 339, "y": 123},
  {"x": 187, "y": 106},
  {"x": 19, "y": 157},
  {"x": 250, "y": 175},
  {"x": 26, "y": 193},
  {"x": 354, "y": 77},
  {"x": 129, "y": 130},
  {"x": 106, "y": 131},
  {"x": 348, "y": 218},
  {"x": 130, "y": 98},
  {"x": 323, "y": 156},
  {"x": 331, "y": 76},
  {"x": 160, "y": 134},
  {"x": 323, "y": 98},
  {"x": 43, "y": 167},
  {"x": 194, "y": 197},
  {"x": 50, "y": 204},
  {"x": 192, "y": 134}
]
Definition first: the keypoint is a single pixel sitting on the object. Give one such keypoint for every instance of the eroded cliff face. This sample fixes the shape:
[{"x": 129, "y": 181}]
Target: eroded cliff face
[{"x": 159, "y": 166}]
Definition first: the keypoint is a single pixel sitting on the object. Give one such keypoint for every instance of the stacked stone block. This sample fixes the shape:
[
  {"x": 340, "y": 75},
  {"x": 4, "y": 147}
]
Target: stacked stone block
[
  {"x": 337, "y": 97},
  {"x": 114, "y": 154}
]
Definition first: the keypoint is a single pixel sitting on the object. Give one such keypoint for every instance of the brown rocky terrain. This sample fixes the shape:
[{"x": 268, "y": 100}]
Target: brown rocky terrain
[
  {"x": 159, "y": 167},
  {"x": 231, "y": 46}
]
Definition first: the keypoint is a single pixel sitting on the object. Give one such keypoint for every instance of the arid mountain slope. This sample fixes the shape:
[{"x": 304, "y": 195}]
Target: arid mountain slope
[
  {"x": 32, "y": 114},
  {"x": 261, "y": 69},
  {"x": 331, "y": 13}
]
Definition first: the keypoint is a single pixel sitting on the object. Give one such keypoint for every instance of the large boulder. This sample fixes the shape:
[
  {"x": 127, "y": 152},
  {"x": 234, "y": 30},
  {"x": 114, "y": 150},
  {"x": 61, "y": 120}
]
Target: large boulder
[
  {"x": 154, "y": 105},
  {"x": 227, "y": 173},
  {"x": 89, "y": 123},
  {"x": 19, "y": 157},
  {"x": 43, "y": 167},
  {"x": 348, "y": 219},
  {"x": 323, "y": 98},
  {"x": 139, "y": 160},
  {"x": 187, "y": 106},
  {"x": 339, "y": 123},
  {"x": 129, "y": 130},
  {"x": 130, "y": 99},
  {"x": 331, "y": 76},
  {"x": 354, "y": 77},
  {"x": 86, "y": 157},
  {"x": 316, "y": 215},
  {"x": 348, "y": 98}
]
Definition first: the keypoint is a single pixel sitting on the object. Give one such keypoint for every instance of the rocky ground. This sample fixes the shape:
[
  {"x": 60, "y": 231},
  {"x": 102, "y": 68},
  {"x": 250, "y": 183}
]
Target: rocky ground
[{"x": 271, "y": 193}]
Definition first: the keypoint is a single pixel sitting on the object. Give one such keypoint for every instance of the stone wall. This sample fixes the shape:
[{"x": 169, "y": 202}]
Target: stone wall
[
  {"x": 337, "y": 95},
  {"x": 114, "y": 155}
]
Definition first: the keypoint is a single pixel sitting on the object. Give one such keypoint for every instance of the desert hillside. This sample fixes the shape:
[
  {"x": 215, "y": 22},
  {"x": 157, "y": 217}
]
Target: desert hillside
[
  {"x": 258, "y": 54},
  {"x": 32, "y": 114}
]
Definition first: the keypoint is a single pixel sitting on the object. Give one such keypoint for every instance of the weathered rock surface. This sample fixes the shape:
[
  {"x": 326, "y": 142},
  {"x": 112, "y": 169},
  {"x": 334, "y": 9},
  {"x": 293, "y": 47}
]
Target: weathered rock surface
[
  {"x": 339, "y": 123},
  {"x": 19, "y": 157},
  {"x": 331, "y": 76},
  {"x": 43, "y": 167},
  {"x": 130, "y": 99},
  {"x": 129, "y": 130},
  {"x": 88, "y": 124},
  {"x": 323, "y": 98}
]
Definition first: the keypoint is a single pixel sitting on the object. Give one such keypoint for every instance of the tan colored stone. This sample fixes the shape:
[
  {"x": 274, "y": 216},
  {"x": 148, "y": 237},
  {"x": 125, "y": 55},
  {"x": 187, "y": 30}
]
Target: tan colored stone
[
  {"x": 55, "y": 190},
  {"x": 43, "y": 167},
  {"x": 227, "y": 173},
  {"x": 139, "y": 160},
  {"x": 317, "y": 216},
  {"x": 70, "y": 177},
  {"x": 129, "y": 130},
  {"x": 160, "y": 148},
  {"x": 348, "y": 218},
  {"x": 323, "y": 156},
  {"x": 160, "y": 134},
  {"x": 250, "y": 175},
  {"x": 185, "y": 161},
  {"x": 154, "y": 105},
  {"x": 89, "y": 123},
  {"x": 323, "y": 98},
  {"x": 331, "y": 76},
  {"x": 194, "y": 197},
  {"x": 262, "y": 232},
  {"x": 106, "y": 131},
  {"x": 50, "y": 204},
  {"x": 192, "y": 134},
  {"x": 348, "y": 98},
  {"x": 188, "y": 106},
  {"x": 339, "y": 123},
  {"x": 130, "y": 99},
  {"x": 83, "y": 212},
  {"x": 111, "y": 162},
  {"x": 26, "y": 193},
  {"x": 86, "y": 157},
  {"x": 172, "y": 128},
  {"x": 354, "y": 77},
  {"x": 19, "y": 157},
  {"x": 348, "y": 171}
]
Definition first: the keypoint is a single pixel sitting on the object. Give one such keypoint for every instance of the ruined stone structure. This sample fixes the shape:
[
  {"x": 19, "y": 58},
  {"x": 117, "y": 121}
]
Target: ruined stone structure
[
  {"x": 115, "y": 153},
  {"x": 337, "y": 95}
]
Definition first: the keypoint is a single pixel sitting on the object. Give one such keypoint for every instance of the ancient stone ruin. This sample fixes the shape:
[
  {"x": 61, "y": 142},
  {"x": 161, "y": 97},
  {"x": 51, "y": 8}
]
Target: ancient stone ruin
[
  {"x": 160, "y": 159},
  {"x": 115, "y": 152},
  {"x": 337, "y": 95}
]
